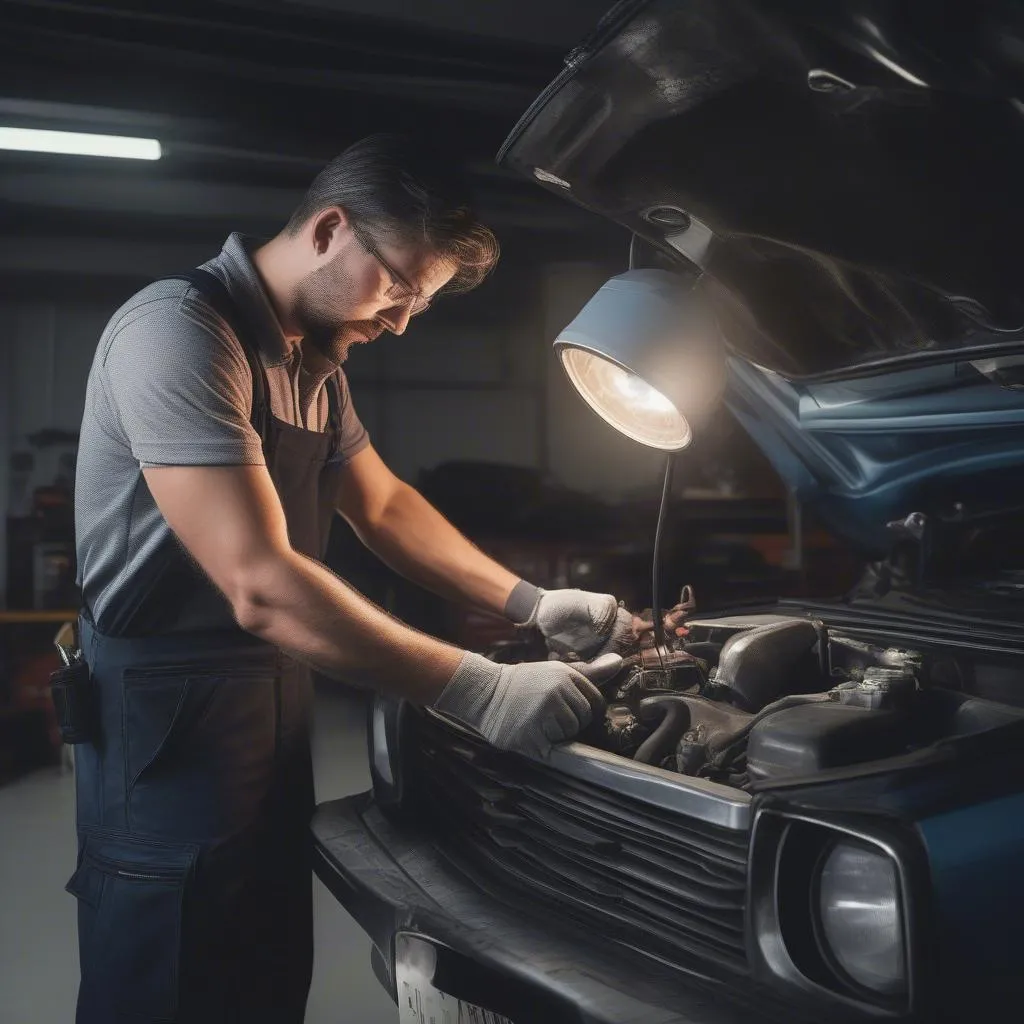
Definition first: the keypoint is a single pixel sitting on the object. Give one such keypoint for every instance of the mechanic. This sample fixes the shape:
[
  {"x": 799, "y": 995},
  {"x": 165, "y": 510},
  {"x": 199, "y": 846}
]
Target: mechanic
[{"x": 218, "y": 439}]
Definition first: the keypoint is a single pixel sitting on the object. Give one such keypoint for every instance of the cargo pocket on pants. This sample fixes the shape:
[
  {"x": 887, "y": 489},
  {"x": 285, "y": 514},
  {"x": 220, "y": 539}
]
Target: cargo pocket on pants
[{"x": 130, "y": 893}]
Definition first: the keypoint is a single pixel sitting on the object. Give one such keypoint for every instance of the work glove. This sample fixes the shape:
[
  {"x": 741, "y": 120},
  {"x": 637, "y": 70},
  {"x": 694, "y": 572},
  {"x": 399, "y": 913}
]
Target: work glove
[
  {"x": 526, "y": 707},
  {"x": 580, "y": 624}
]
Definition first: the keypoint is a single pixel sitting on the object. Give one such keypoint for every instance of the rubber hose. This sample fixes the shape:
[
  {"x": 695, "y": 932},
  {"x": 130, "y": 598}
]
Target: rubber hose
[{"x": 675, "y": 722}]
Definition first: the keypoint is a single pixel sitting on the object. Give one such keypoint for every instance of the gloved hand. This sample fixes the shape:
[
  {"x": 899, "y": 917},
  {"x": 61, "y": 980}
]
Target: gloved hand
[
  {"x": 526, "y": 707},
  {"x": 580, "y": 624}
]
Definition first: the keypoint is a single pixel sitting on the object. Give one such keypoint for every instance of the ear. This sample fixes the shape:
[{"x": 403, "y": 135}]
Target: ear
[{"x": 328, "y": 230}]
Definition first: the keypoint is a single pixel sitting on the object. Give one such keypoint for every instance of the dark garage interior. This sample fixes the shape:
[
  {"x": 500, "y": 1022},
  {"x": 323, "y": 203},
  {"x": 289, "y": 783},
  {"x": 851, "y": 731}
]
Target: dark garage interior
[{"x": 248, "y": 100}]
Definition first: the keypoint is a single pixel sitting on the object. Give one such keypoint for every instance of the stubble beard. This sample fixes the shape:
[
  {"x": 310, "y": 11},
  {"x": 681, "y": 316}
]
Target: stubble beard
[{"x": 317, "y": 297}]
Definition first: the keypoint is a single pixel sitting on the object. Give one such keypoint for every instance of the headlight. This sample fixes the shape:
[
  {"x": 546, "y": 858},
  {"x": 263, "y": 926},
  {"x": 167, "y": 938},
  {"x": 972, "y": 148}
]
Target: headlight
[
  {"x": 835, "y": 909},
  {"x": 861, "y": 916}
]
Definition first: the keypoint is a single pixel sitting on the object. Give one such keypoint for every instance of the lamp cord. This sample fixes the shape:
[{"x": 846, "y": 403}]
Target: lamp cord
[
  {"x": 659, "y": 625},
  {"x": 666, "y": 489}
]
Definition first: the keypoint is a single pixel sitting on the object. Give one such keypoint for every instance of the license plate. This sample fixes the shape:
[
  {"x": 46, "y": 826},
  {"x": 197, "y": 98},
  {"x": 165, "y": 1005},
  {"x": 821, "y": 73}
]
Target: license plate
[{"x": 419, "y": 1000}]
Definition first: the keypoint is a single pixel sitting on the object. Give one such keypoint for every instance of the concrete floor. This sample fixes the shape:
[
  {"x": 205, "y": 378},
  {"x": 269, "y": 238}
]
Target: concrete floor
[{"x": 38, "y": 950}]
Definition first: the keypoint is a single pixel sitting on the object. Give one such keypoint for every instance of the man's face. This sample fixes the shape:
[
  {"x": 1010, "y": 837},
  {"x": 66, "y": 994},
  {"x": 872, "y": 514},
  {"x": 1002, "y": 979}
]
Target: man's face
[{"x": 345, "y": 300}]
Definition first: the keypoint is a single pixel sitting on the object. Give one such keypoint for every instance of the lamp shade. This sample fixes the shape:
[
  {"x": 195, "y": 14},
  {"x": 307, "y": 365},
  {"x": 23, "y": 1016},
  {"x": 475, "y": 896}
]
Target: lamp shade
[{"x": 645, "y": 354}]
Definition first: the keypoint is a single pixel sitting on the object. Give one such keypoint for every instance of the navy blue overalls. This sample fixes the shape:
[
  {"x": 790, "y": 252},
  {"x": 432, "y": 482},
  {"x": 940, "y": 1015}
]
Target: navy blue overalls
[{"x": 193, "y": 882}]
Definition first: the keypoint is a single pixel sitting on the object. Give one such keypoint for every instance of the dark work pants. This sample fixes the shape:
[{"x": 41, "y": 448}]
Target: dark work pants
[{"x": 193, "y": 881}]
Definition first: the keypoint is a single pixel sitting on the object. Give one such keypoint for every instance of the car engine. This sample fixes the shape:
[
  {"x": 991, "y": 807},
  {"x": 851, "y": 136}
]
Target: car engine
[{"x": 747, "y": 699}]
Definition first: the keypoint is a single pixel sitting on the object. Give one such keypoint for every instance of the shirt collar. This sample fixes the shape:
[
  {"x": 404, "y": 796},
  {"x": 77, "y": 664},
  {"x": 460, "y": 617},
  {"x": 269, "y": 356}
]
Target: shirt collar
[{"x": 235, "y": 269}]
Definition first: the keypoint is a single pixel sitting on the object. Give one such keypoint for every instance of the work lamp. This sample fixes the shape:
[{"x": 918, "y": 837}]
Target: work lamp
[{"x": 645, "y": 355}]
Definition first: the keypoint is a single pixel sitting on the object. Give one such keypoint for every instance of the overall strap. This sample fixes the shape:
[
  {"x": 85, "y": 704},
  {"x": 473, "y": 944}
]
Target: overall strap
[
  {"x": 334, "y": 404},
  {"x": 219, "y": 298}
]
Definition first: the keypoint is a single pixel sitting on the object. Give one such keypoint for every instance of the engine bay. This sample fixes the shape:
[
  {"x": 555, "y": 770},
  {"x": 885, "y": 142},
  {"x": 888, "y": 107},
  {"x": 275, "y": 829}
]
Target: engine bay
[{"x": 742, "y": 700}]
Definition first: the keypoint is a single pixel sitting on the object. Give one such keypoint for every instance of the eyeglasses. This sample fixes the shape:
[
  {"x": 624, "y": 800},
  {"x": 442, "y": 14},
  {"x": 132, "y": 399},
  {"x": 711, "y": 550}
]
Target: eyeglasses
[{"x": 400, "y": 291}]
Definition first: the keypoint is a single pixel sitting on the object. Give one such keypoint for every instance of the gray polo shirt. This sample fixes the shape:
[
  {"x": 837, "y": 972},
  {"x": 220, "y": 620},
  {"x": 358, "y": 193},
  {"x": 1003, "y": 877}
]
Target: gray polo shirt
[{"x": 170, "y": 386}]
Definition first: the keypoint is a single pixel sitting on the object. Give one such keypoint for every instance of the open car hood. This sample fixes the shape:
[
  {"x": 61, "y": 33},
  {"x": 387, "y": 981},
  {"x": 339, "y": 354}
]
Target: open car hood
[{"x": 846, "y": 177}]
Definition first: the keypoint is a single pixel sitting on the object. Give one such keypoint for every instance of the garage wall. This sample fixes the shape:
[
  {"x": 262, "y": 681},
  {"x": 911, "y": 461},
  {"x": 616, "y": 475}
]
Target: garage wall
[
  {"x": 45, "y": 353},
  {"x": 445, "y": 390}
]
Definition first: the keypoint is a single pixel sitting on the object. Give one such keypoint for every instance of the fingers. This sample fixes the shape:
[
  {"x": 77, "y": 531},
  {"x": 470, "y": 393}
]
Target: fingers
[
  {"x": 622, "y": 638},
  {"x": 585, "y": 674},
  {"x": 600, "y": 670},
  {"x": 583, "y": 699},
  {"x": 538, "y": 704},
  {"x": 561, "y": 724},
  {"x": 602, "y": 609}
]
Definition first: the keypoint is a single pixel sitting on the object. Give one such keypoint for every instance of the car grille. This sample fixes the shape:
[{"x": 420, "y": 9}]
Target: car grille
[{"x": 664, "y": 883}]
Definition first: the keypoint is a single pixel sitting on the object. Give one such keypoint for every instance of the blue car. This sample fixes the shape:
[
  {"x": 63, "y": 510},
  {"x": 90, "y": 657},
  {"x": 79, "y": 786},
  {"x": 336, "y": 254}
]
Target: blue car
[{"x": 804, "y": 811}]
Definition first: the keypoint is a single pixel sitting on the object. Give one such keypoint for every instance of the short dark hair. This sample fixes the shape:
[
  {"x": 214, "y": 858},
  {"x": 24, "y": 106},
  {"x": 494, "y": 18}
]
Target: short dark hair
[{"x": 394, "y": 186}]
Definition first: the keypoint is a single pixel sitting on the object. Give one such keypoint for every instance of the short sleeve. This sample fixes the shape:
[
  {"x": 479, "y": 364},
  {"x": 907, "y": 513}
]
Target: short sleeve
[
  {"x": 181, "y": 388},
  {"x": 354, "y": 437}
]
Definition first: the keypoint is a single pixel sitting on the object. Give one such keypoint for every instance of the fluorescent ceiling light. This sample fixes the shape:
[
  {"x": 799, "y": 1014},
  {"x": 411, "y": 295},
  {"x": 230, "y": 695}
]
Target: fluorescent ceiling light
[{"x": 34, "y": 140}]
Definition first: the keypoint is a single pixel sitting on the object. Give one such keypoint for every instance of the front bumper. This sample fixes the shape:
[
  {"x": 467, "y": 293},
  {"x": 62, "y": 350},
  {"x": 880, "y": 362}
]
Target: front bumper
[{"x": 513, "y": 960}]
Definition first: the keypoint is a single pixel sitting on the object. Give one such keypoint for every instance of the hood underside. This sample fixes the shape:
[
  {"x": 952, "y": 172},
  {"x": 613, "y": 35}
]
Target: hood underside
[
  {"x": 848, "y": 173},
  {"x": 846, "y": 177}
]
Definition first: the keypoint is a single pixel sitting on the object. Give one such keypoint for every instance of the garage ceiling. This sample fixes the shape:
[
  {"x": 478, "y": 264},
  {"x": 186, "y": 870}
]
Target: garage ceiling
[{"x": 250, "y": 97}]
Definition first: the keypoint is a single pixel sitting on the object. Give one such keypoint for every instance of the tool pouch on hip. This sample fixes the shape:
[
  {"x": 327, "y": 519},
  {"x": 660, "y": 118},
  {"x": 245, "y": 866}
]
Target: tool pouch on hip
[{"x": 74, "y": 700}]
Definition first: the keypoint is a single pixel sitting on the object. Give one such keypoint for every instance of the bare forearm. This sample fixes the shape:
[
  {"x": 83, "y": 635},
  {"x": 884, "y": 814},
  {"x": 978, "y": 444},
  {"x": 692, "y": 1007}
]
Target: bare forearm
[
  {"x": 414, "y": 539},
  {"x": 298, "y": 605}
]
